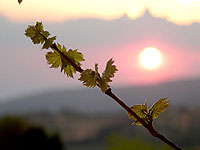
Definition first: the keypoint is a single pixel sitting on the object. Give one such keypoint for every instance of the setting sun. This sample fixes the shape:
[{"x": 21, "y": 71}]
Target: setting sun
[{"x": 150, "y": 58}]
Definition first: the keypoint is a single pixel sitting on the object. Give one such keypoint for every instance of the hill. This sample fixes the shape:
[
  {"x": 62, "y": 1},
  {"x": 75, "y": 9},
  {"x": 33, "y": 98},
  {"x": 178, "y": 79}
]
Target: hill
[{"x": 93, "y": 101}]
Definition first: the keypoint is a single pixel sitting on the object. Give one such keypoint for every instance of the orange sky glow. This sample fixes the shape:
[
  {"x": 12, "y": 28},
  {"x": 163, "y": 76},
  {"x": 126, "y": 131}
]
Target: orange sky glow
[
  {"x": 174, "y": 64},
  {"x": 182, "y": 12}
]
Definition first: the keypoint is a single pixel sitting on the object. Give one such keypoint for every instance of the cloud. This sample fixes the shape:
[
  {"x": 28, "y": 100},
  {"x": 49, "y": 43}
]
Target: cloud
[{"x": 182, "y": 12}]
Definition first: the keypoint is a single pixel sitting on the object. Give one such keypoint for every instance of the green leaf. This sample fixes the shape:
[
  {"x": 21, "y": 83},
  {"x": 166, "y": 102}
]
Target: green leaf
[
  {"x": 75, "y": 56},
  {"x": 19, "y": 1},
  {"x": 39, "y": 27},
  {"x": 159, "y": 107},
  {"x": 96, "y": 79},
  {"x": 148, "y": 115},
  {"x": 109, "y": 71},
  {"x": 69, "y": 70},
  {"x": 34, "y": 33},
  {"x": 100, "y": 81},
  {"x": 38, "y": 35},
  {"x": 53, "y": 58},
  {"x": 45, "y": 33},
  {"x": 89, "y": 78},
  {"x": 56, "y": 60},
  {"x": 141, "y": 110},
  {"x": 48, "y": 42},
  {"x": 30, "y": 31}
]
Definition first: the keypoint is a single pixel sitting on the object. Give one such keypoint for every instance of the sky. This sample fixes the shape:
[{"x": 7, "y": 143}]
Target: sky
[
  {"x": 100, "y": 30},
  {"x": 181, "y": 12}
]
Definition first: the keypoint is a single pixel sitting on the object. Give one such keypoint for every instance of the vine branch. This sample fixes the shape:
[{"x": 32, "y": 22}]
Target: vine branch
[
  {"x": 108, "y": 92},
  {"x": 69, "y": 61}
]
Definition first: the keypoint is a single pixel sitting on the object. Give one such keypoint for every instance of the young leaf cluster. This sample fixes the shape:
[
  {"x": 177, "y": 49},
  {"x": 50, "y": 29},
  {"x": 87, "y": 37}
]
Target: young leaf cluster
[
  {"x": 92, "y": 78},
  {"x": 148, "y": 115},
  {"x": 39, "y": 36},
  {"x": 54, "y": 58}
]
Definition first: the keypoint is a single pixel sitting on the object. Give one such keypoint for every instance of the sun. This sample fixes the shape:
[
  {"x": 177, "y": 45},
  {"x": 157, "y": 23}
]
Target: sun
[{"x": 150, "y": 58}]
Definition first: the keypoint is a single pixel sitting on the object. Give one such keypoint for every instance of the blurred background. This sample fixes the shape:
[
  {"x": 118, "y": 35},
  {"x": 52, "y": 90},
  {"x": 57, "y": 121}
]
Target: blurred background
[{"x": 41, "y": 108}]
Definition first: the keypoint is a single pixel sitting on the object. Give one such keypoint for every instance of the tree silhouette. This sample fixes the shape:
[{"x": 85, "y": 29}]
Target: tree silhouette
[{"x": 16, "y": 134}]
